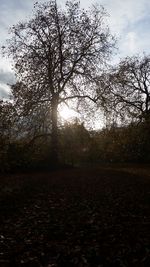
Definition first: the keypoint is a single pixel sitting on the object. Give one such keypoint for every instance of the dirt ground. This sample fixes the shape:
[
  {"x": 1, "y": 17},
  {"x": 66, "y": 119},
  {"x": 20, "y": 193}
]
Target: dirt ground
[{"x": 89, "y": 217}]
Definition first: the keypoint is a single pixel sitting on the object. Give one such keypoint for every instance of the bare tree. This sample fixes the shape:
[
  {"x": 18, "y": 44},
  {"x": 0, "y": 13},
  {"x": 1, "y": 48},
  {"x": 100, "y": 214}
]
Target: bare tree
[
  {"x": 128, "y": 88},
  {"x": 58, "y": 55}
]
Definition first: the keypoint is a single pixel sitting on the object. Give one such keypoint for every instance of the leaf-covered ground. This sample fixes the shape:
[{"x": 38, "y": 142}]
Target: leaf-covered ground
[{"x": 77, "y": 217}]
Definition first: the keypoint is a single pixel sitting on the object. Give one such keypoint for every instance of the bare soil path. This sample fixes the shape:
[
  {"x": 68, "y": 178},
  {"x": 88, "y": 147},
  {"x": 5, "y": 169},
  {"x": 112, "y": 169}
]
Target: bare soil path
[{"x": 77, "y": 217}]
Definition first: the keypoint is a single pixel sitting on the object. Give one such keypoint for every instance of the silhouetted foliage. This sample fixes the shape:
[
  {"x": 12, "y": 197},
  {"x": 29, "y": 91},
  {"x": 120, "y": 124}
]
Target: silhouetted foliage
[
  {"x": 75, "y": 143},
  {"x": 121, "y": 144}
]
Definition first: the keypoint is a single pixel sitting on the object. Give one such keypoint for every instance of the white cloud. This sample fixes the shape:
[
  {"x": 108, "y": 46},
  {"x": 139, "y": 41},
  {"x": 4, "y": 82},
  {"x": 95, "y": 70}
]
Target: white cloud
[
  {"x": 123, "y": 13},
  {"x": 130, "y": 44},
  {"x": 6, "y": 77},
  {"x": 126, "y": 21},
  {"x": 4, "y": 91},
  {"x": 134, "y": 43}
]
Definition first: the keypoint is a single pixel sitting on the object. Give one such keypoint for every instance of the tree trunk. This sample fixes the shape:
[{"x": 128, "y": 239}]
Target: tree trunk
[{"x": 54, "y": 133}]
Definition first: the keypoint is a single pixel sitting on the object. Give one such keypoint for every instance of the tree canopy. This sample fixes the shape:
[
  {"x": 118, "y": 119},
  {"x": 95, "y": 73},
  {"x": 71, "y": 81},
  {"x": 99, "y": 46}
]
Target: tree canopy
[{"x": 57, "y": 56}]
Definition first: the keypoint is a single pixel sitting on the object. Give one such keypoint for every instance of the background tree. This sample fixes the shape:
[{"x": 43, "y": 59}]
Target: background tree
[
  {"x": 58, "y": 55},
  {"x": 128, "y": 89}
]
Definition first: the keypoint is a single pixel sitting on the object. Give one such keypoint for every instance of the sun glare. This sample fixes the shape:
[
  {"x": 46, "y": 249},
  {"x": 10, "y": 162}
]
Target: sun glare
[{"x": 67, "y": 113}]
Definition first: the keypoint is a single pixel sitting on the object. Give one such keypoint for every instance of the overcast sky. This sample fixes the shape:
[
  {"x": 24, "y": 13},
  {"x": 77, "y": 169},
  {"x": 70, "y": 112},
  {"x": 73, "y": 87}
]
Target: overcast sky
[{"x": 129, "y": 20}]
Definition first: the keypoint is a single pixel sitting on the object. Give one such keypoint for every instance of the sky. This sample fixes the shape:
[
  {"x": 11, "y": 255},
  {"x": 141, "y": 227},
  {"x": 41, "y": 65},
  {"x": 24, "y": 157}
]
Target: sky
[{"x": 129, "y": 20}]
